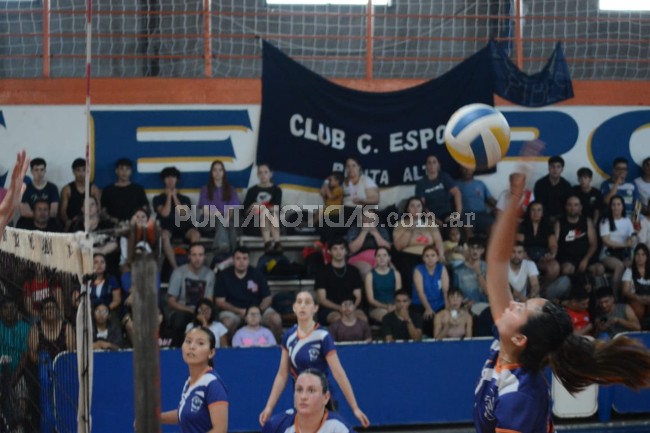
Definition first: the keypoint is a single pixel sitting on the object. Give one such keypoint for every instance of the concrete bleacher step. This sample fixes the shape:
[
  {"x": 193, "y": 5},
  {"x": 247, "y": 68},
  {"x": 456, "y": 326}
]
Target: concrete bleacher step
[{"x": 291, "y": 285}]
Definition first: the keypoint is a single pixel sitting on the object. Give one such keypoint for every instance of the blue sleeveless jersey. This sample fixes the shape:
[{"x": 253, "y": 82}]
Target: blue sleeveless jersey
[
  {"x": 286, "y": 423},
  {"x": 193, "y": 410},
  {"x": 509, "y": 399}
]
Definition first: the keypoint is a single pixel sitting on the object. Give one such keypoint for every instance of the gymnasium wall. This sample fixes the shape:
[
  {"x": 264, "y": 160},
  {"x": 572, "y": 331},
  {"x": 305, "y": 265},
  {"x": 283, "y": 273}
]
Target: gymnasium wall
[
  {"x": 414, "y": 383},
  {"x": 47, "y": 117}
]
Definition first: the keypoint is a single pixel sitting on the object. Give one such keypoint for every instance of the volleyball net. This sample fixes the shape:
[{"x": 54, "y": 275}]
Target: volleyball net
[
  {"x": 408, "y": 39},
  {"x": 36, "y": 267}
]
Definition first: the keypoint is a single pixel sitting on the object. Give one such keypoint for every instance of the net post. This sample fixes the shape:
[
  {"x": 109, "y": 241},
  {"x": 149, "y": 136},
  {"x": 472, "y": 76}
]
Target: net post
[{"x": 146, "y": 362}]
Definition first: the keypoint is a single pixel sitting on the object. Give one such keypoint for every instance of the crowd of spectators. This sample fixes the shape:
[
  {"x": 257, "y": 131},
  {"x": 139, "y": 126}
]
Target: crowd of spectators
[{"x": 423, "y": 276}]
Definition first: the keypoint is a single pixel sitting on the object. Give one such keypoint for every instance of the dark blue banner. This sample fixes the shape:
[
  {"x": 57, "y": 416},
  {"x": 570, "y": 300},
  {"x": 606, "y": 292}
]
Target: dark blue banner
[{"x": 309, "y": 125}]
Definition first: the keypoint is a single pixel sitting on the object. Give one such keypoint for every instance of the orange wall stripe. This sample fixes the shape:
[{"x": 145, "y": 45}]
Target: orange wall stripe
[{"x": 249, "y": 91}]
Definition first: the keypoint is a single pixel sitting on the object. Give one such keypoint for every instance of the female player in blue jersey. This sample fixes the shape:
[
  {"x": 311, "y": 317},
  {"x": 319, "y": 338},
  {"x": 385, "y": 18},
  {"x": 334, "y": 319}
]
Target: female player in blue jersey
[
  {"x": 204, "y": 403},
  {"x": 304, "y": 346},
  {"x": 310, "y": 415},
  {"x": 513, "y": 394}
]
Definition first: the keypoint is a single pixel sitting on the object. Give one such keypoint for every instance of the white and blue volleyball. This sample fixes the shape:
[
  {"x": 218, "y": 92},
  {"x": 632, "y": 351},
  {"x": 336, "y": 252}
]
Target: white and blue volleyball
[{"x": 477, "y": 136}]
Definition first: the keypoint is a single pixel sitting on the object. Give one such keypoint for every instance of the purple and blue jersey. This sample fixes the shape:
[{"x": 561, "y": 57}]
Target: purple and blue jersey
[
  {"x": 308, "y": 352},
  {"x": 509, "y": 399},
  {"x": 193, "y": 410},
  {"x": 286, "y": 423}
]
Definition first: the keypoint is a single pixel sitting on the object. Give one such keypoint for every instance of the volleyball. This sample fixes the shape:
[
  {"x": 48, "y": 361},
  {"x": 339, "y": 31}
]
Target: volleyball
[{"x": 477, "y": 136}]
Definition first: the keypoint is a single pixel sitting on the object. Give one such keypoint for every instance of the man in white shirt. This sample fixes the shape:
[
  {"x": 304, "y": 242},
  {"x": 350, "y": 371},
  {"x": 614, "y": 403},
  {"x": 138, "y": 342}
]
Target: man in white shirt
[{"x": 522, "y": 275}]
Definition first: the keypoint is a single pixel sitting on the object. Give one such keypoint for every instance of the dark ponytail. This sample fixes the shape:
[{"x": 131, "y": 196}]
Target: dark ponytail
[{"x": 579, "y": 361}]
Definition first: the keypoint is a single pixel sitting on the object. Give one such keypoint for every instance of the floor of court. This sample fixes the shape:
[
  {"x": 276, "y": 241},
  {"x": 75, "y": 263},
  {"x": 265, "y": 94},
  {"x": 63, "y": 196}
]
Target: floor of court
[{"x": 619, "y": 424}]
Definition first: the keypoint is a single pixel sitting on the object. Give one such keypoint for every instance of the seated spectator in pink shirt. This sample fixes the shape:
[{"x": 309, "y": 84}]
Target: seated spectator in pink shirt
[
  {"x": 349, "y": 327},
  {"x": 253, "y": 334}
]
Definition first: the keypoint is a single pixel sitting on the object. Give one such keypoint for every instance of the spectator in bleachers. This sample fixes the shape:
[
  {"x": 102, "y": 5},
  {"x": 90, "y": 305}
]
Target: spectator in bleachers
[
  {"x": 617, "y": 184},
  {"x": 104, "y": 234},
  {"x": 40, "y": 188},
  {"x": 537, "y": 235},
  {"x": 104, "y": 289},
  {"x": 240, "y": 286},
  {"x": 636, "y": 284},
  {"x": 470, "y": 277},
  {"x": 121, "y": 199},
  {"x": 140, "y": 225},
  {"x": 205, "y": 314},
  {"x": 414, "y": 231},
  {"x": 358, "y": 189},
  {"x": 214, "y": 198},
  {"x": 41, "y": 219},
  {"x": 615, "y": 317},
  {"x": 36, "y": 289},
  {"x": 618, "y": 237},
  {"x": 590, "y": 197},
  {"x": 47, "y": 338},
  {"x": 643, "y": 184},
  {"x": 552, "y": 190},
  {"x": 381, "y": 284},
  {"x": 264, "y": 199},
  {"x": 349, "y": 327},
  {"x": 13, "y": 356},
  {"x": 454, "y": 321},
  {"x": 188, "y": 284},
  {"x": 332, "y": 194},
  {"x": 364, "y": 240},
  {"x": 577, "y": 306},
  {"x": 476, "y": 199},
  {"x": 526, "y": 198},
  {"x": 430, "y": 287},
  {"x": 401, "y": 323},
  {"x": 335, "y": 282},
  {"x": 168, "y": 205},
  {"x": 522, "y": 275},
  {"x": 576, "y": 241},
  {"x": 643, "y": 235},
  {"x": 454, "y": 246},
  {"x": 72, "y": 195},
  {"x": 437, "y": 189},
  {"x": 253, "y": 334},
  {"x": 106, "y": 335}
]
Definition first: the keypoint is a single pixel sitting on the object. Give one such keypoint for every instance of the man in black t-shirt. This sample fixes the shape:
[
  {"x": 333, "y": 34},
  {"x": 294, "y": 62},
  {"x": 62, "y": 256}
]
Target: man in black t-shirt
[
  {"x": 335, "y": 281},
  {"x": 240, "y": 287},
  {"x": 123, "y": 198},
  {"x": 552, "y": 190},
  {"x": 41, "y": 220},
  {"x": 402, "y": 324},
  {"x": 37, "y": 190},
  {"x": 168, "y": 205}
]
